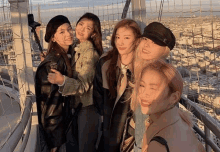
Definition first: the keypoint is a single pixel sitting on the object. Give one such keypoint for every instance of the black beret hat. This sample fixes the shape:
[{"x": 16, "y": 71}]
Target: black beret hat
[
  {"x": 159, "y": 34},
  {"x": 53, "y": 25}
]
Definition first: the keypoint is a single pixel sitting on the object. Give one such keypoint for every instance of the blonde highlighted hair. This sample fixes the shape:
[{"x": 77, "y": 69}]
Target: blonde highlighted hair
[
  {"x": 174, "y": 82},
  {"x": 139, "y": 61}
]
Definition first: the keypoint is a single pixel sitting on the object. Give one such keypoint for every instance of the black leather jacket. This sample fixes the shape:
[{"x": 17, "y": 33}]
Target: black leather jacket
[
  {"x": 115, "y": 117},
  {"x": 53, "y": 108}
]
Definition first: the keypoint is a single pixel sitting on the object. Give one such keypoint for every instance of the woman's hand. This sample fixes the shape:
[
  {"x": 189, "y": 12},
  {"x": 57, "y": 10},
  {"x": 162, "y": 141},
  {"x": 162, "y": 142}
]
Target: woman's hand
[
  {"x": 56, "y": 77},
  {"x": 54, "y": 149}
]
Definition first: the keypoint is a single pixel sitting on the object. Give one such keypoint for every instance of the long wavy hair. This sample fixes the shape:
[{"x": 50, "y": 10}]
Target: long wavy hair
[
  {"x": 139, "y": 61},
  {"x": 97, "y": 38},
  {"x": 174, "y": 82},
  {"x": 55, "y": 46},
  {"x": 113, "y": 53}
]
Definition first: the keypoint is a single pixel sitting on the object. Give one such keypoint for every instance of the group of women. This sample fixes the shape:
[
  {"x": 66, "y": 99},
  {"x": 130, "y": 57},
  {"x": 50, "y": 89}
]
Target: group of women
[{"x": 120, "y": 100}]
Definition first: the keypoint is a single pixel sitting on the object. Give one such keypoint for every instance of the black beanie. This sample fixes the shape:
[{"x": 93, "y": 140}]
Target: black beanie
[
  {"x": 159, "y": 34},
  {"x": 53, "y": 25}
]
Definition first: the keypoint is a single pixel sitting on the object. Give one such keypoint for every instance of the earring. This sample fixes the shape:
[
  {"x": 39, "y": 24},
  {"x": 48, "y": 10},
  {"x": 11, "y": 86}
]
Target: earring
[{"x": 93, "y": 36}]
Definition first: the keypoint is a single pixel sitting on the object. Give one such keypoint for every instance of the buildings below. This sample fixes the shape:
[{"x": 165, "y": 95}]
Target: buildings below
[{"x": 7, "y": 53}]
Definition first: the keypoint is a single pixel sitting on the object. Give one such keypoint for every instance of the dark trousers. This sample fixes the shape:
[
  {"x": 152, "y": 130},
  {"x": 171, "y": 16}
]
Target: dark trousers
[{"x": 88, "y": 120}]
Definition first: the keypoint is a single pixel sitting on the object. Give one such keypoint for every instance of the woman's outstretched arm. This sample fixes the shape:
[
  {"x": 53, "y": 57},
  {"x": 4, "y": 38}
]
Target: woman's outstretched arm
[{"x": 85, "y": 75}]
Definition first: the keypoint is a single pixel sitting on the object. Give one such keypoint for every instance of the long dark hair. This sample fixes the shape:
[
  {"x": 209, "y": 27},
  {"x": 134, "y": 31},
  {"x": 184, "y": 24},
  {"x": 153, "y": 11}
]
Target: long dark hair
[
  {"x": 97, "y": 38},
  {"x": 113, "y": 54},
  {"x": 55, "y": 46}
]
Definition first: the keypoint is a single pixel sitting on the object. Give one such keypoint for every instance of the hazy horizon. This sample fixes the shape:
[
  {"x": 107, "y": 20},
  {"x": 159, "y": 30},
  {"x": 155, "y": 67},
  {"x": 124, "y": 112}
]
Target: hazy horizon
[{"x": 112, "y": 9}]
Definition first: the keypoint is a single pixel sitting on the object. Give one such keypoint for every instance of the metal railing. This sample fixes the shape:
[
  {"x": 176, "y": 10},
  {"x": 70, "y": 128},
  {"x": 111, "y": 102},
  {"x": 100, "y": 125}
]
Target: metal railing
[
  {"x": 21, "y": 131},
  {"x": 209, "y": 122},
  {"x": 18, "y": 137},
  {"x": 109, "y": 15}
]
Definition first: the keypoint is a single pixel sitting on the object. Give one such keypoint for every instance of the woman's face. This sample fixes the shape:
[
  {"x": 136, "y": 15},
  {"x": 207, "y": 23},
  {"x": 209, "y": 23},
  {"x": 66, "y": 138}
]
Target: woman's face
[
  {"x": 153, "y": 92},
  {"x": 84, "y": 29},
  {"x": 124, "y": 40},
  {"x": 64, "y": 35},
  {"x": 148, "y": 50}
]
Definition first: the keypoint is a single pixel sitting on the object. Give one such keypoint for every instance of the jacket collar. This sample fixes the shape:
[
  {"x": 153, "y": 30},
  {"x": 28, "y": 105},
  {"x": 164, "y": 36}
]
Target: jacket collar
[
  {"x": 119, "y": 64},
  {"x": 81, "y": 47},
  {"x": 166, "y": 119},
  {"x": 130, "y": 71}
]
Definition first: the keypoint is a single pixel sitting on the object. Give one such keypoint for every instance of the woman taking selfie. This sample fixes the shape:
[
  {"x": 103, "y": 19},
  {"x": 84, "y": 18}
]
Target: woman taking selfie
[
  {"x": 157, "y": 90},
  {"x": 111, "y": 92},
  {"x": 87, "y": 50},
  {"x": 52, "y": 107}
]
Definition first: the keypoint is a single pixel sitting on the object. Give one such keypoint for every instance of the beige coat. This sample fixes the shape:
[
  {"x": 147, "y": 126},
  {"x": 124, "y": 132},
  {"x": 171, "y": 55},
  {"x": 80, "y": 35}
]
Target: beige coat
[
  {"x": 81, "y": 85},
  {"x": 179, "y": 136}
]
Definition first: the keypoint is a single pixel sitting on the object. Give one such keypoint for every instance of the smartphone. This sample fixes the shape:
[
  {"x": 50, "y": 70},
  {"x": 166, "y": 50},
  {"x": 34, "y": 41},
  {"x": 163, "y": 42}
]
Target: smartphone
[{"x": 31, "y": 21}]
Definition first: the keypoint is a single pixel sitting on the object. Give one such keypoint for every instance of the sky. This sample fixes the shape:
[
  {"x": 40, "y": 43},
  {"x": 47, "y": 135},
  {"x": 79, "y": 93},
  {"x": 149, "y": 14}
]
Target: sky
[
  {"x": 75, "y": 8},
  {"x": 85, "y": 3},
  {"x": 106, "y": 2},
  {"x": 77, "y": 3}
]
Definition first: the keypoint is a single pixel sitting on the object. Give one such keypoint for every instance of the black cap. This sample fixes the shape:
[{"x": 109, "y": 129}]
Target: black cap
[
  {"x": 53, "y": 25},
  {"x": 159, "y": 34}
]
